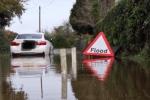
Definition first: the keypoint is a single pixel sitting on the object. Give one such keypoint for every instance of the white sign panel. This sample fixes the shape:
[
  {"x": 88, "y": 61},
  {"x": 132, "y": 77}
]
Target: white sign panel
[{"x": 99, "y": 46}]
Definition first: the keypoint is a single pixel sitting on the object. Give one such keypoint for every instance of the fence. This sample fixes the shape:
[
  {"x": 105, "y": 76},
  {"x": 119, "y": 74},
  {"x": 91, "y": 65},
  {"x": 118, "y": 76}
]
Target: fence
[{"x": 80, "y": 46}]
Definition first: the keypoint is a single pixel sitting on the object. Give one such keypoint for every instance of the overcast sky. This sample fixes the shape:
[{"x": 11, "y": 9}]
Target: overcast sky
[{"x": 53, "y": 14}]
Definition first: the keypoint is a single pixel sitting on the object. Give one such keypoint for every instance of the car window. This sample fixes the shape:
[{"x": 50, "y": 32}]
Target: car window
[{"x": 29, "y": 36}]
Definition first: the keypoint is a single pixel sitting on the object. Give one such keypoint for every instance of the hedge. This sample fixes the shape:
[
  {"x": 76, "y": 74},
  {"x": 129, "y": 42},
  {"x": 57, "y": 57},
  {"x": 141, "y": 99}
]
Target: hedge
[
  {"x": 127, "y": 24},
  {"x": 4, "y": 43}
]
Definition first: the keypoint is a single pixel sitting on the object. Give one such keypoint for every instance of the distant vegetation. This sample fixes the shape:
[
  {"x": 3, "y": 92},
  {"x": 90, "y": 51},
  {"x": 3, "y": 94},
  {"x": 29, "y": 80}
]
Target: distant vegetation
[{"x": 62, "y": 36}]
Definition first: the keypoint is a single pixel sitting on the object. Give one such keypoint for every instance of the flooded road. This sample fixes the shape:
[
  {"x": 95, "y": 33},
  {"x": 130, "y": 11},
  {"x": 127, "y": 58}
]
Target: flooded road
[{"x": 40, "y": 78}]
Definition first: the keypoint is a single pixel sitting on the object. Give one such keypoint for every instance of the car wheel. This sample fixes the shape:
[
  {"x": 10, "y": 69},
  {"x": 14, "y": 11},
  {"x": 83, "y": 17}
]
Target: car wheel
[
  {"x": 43, "y": 54},
  {"x": 52, "y": 51},
  {"x": 14, "y": 55},
  {"x": 49, "y": 51}
]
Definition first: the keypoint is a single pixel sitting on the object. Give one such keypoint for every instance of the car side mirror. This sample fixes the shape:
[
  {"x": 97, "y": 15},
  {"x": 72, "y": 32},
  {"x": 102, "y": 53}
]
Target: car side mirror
[
  {"x": 50, "y": 40},
  {"x": 45, "y": 37}
]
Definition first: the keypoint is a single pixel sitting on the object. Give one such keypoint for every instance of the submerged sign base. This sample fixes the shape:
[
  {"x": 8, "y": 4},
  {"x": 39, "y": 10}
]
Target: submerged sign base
[{"x": 99, "y": 46}]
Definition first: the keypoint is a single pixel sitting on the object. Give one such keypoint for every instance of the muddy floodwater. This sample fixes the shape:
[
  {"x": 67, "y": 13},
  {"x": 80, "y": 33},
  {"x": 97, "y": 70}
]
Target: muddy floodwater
[{"x": 41, "y": 78}]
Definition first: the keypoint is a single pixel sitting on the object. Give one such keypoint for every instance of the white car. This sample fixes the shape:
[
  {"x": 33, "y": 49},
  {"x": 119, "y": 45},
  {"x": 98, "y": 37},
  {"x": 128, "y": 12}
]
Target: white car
[{"x": 31, "y": 44}]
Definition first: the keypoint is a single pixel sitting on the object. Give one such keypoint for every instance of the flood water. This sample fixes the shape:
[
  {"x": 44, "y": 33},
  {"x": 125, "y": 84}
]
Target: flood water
[{"x": 38, "y": 78}]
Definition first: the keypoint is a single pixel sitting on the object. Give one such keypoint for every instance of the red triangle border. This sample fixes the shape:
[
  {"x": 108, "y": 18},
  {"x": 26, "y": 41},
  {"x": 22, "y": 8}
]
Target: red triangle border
[{"x": 99, "y": 54}]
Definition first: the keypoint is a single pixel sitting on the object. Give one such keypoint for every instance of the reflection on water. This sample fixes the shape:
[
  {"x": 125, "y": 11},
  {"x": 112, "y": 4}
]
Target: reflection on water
[
  {"x": 30, "y": 66},
  {"x": 99, "y": 67},
  {"x": 33, "y": 78},
  {"x": 38, "y": 78},
  {"x": 127, "y": 80}
]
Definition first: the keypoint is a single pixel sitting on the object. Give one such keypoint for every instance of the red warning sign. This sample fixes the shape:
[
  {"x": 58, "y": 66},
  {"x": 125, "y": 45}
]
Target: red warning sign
[
  {"x": 99, "y": 46},
  {"x": 99, "y": 67}
]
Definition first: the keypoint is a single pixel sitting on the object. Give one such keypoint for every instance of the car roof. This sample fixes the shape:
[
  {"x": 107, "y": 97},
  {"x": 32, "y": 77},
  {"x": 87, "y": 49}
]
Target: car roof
[{"x": 31, "y": 33}]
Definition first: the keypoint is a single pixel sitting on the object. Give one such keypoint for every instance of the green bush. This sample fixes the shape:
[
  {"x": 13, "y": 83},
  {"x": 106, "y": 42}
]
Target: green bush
[
  {"x": 4, "y": 43},
  {"x": 61, "y": 40}
]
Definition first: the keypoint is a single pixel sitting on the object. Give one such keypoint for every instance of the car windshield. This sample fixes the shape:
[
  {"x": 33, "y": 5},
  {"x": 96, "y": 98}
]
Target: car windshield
[{"x": 29, "y": 36}]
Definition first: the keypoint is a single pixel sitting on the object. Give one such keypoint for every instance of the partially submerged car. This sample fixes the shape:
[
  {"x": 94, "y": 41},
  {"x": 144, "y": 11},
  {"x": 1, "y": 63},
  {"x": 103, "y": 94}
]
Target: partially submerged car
[{"x": 31, "y": 44}]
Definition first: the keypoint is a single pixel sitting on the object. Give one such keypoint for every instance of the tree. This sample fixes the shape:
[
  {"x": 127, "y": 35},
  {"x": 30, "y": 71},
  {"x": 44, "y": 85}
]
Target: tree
[
  {"x": 95, "y": 11},
  {"x": 105, "y": 7},
  {"x": 10, "y": 9},
  {"x": 80, "y": 19},
  {"x": 86, "y": 13}
]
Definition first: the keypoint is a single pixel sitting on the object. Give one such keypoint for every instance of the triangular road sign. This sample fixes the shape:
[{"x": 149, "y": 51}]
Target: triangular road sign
[
  {"x": 99, "y": 67},
  {"x": 99, "y": 46}
]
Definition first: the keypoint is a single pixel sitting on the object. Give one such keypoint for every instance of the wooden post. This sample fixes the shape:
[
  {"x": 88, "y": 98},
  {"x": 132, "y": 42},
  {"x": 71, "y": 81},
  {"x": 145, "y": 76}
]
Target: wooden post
[
  {"x": 64, "y": 87},
  {"x": 41, "y": 88},
  {"x": 74, "y": 62},
  {"x": 39, "y": 18},
  {"x": 64, "y": 73},
  {"x": 1, "y": 98},
  {"x": 63, "y": 61}
]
